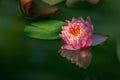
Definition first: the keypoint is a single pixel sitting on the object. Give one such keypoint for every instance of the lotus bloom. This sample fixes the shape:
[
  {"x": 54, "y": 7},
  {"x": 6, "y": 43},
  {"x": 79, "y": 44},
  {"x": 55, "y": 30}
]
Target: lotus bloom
[{"x": 78, "y": 37}]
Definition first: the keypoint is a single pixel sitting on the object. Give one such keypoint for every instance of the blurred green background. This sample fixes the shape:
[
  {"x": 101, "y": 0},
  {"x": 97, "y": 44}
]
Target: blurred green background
[{"x": 24, "y": 58}]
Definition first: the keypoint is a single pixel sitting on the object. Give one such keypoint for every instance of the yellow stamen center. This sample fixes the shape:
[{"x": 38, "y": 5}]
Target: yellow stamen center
[{"x": 74, "y": 31}]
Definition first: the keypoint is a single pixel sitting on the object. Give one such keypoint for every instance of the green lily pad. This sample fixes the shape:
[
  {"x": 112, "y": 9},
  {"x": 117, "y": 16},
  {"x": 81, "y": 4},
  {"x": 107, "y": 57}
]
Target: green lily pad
[
  {"x": 52, "y": 2},
  {"x": 81, "y": 3},
  {"x": 70, "y": 3},
  {"x": 45, "y": 29}
]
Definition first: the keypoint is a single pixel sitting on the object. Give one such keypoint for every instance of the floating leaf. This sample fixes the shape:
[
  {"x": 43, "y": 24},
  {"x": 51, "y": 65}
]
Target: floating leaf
[
  {"x": 45, "y": 29},
  {"x": 30, "y": 10},
  {"x": 80, "y": 3},
  {"x": 77, "y": 3},
  {"x": 93, "y": 1},
  {"x": 52, "y": 2},
  {"x": 70, "y": 3},
  {"x": 98, "y": 39}
]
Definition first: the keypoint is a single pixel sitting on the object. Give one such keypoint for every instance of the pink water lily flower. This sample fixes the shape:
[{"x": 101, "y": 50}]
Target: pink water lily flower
[{"x": 78, "y": 37}]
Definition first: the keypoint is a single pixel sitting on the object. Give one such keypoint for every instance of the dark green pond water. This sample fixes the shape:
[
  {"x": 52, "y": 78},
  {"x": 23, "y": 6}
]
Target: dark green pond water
[{"x": 24, "y": 58}]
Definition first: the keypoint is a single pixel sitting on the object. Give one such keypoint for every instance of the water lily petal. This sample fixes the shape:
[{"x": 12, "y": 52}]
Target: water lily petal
[
  {"x": 77, "y": 33},
  {"x": 88, "y": 20},
  {"x": 25, "y": 6},
  {"x": 68, "y": 47},
  {"x": 78, "y": 37},
  {"x": 42, "y": 12},
  {"x": 30, "y": 10},
  {"x": 98, "y": 39}
]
